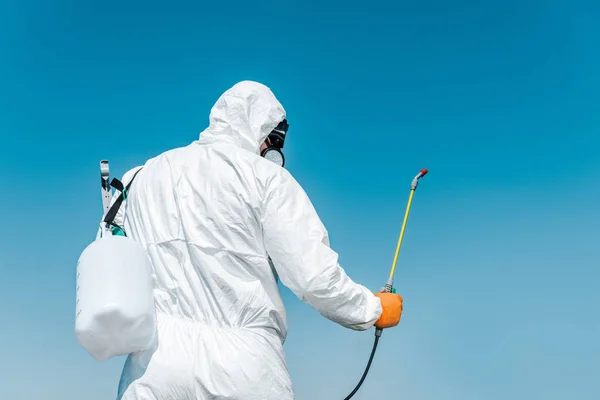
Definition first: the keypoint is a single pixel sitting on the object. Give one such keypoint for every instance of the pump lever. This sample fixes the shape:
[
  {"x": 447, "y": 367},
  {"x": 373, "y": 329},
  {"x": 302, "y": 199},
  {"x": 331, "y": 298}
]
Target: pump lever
[{"x": 105, "y": 182}]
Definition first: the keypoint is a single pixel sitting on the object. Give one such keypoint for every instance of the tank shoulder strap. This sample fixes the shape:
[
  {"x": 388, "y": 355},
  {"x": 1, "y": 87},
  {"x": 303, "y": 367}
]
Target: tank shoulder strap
[{"x": 117, "y": 184}]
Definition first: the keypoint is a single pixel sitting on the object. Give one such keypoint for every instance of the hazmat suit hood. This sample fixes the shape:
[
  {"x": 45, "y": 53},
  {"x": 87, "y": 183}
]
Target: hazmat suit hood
[{"x": 244, "y": 116}]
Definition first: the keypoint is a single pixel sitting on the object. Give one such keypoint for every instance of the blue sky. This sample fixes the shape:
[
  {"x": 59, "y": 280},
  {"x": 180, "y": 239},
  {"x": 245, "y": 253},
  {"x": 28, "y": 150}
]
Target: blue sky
[{"x": 499, "y": 100}]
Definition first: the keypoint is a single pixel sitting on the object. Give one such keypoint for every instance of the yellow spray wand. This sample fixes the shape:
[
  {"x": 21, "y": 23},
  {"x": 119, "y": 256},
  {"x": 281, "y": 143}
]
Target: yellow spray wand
[
  {"x": 389, "y": 285},
  {"x": 390, "y": 282}
]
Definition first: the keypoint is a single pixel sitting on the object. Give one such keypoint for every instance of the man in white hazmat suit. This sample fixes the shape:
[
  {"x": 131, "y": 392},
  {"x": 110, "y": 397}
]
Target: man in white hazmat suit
[{"x": 220, "y": 223}]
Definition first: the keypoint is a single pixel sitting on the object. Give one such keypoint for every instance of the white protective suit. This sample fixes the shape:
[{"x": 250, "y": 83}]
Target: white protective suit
[{"x": 210, "y": 215}]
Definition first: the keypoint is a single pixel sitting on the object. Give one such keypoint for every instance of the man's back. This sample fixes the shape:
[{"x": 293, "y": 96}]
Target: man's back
[
  {"x": 197, "y": 210},
  {"x": 199, "y": 207}
]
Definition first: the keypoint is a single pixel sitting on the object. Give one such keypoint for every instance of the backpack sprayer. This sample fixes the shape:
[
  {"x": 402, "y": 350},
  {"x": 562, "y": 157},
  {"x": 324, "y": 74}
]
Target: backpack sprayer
[
  {"x": 389, "y": 284},
  {"x": 114, "y": 306}
]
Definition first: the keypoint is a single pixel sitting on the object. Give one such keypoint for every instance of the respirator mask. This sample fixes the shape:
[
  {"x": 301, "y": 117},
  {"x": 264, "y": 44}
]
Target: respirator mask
[{"x": 275, "y": 142}]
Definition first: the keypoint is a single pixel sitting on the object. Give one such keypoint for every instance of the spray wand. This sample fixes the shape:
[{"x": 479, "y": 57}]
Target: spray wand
[{"x": 389, "y": 284}]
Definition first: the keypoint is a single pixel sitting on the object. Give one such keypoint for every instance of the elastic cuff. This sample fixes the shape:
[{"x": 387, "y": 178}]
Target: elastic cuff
[{"x": 373, "y": 313}]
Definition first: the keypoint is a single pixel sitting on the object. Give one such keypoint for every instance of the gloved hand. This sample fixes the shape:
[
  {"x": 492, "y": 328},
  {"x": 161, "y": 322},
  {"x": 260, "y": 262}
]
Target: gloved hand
[{"x": 391, "y": 305}]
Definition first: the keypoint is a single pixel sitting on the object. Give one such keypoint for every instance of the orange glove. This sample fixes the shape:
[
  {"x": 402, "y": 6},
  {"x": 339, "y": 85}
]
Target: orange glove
[{"x": 391, "y": 305}]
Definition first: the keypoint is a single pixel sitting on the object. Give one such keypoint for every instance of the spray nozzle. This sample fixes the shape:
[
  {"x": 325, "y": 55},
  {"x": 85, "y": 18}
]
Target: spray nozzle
[{"x": 415, "y": 181}]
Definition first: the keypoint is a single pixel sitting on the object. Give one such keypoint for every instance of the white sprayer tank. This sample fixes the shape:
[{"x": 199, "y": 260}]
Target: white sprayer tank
[{"x": 114, "y": 307}]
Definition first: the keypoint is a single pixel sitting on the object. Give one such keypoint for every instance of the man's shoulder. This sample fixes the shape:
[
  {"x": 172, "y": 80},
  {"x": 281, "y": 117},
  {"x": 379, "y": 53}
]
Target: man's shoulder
[
  {"x": 276, "y": 181},
  {"x": 175, "y": 152},
  {"x": 170, "y": 156},
  {"x": 154, "y": 162},
  {"x": 266, "y": 169}
]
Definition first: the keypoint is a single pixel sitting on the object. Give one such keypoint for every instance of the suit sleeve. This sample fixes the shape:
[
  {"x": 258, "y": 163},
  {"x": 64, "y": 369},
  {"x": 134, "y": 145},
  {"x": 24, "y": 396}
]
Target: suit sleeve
[{"x": 298, "y": 244}]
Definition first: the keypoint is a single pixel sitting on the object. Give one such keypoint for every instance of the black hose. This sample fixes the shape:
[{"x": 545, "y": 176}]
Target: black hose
[{"x": 377, "y": 336}]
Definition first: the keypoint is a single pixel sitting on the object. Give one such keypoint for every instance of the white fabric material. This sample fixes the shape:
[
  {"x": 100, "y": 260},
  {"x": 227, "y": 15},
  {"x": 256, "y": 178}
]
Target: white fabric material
[{"x": 210, "y": 215}]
